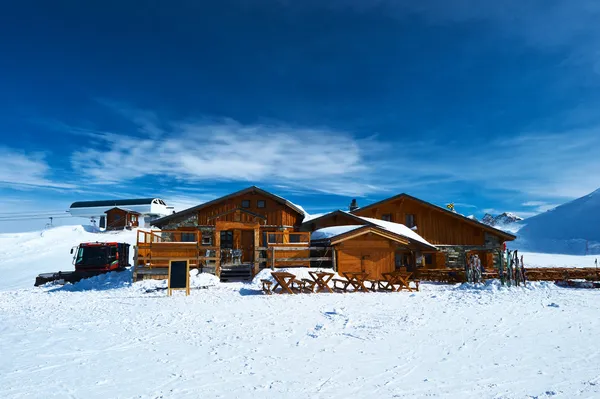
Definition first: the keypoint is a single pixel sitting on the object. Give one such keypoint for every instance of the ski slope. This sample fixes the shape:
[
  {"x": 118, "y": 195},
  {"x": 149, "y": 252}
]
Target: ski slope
[
  {"x": 25, "y": 255},
  {"x": 571, "y": 228}
]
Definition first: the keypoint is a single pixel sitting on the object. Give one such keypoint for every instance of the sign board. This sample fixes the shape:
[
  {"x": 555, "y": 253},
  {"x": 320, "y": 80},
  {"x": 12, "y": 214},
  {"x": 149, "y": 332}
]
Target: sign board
[{"x": 179, "y": 276}]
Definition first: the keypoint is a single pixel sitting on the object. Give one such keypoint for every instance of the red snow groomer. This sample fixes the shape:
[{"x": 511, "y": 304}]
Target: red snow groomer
[{"x": 91, "y": 259}]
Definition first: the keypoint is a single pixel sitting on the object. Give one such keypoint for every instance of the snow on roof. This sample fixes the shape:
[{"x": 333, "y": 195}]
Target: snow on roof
[
  {"x": 312, "y": 216},
  {"x": 306, "y": 214},
  {"x": 328, "y": 232},
  {"x": 397, "y": 228}
]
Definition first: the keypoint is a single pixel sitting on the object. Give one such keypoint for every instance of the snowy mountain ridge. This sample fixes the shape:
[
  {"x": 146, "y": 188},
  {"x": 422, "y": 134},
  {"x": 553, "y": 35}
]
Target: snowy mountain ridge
[
  {"x": 502, "y": 220},
  {"x": 571, "y": 228}
]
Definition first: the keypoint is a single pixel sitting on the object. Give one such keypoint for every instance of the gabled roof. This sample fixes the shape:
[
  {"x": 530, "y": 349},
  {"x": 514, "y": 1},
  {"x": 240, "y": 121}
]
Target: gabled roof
[
  {"x": 337, "y": 234},
  {"x": 391, "y": 227},
  {"x": 448, "y": 212},
  {"x": 113, "y": 202},
  {"x": 333, "y": 213},
  {"x": 250, "y": 189},
  {"x": 123, "y": 209}
]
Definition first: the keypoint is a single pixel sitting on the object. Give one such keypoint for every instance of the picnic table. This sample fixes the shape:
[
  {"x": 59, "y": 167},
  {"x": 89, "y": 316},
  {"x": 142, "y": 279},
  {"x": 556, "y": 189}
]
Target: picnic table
[
  {"x": 285, "y": 281},
  {"x": 390, "y": 279},
  {"x": 356, "y": 280},
  {"x": 321, "y": 280}
]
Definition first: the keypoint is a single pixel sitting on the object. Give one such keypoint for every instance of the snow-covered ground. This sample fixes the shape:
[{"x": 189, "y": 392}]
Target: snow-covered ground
[{"x": 106, "y": 337}]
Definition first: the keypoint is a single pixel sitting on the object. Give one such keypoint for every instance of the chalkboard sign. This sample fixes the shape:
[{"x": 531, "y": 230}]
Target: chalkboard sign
[{"x": 179, "y": 276}]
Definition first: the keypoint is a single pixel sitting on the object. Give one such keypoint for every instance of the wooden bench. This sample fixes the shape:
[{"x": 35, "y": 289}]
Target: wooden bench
[
  {"x": 266, "y": 286},
  {"x": 309, "y": 285},
  {"x": 341, "y": 281},
  {"x": 299, "y": 285}
]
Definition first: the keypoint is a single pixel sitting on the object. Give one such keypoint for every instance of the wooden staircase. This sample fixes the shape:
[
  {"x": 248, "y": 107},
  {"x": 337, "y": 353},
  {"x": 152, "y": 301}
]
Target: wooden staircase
[{"x": 236, "y": 273}]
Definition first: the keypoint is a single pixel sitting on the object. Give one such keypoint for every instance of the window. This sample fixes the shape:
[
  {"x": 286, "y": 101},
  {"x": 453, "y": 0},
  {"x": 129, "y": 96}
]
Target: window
[
  {"x": 398, "y": 260},
  {"x": 245, "y": 203},
  {"x": 188, "y": 237},
  {"x": 206, "y": 240},
  {"x": 227, "y": 239},
  {"x": 133, "y": 218},
  {"x": 117, "y": 216},
  {"x": 261, "y": 204},
  {"x": 410, "y": 220},
  {"x": 428, "y": 259},
  {"x": 387, "y": 217}
]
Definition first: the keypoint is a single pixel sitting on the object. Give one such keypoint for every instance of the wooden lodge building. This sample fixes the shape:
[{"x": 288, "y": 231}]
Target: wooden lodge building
[
  {"x": 233, "y": 231},
  {"x": 454, "y": 236},
  {"x": 253, "y": 228}
]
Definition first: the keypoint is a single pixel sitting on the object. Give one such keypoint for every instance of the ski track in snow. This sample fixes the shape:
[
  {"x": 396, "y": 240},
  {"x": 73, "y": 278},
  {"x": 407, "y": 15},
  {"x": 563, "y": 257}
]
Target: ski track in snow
[{"x": 108, "y": 338}]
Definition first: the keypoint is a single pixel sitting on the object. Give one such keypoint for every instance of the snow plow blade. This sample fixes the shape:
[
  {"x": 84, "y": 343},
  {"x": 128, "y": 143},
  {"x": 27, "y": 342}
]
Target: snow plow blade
[{"x": 65, "y": 277}]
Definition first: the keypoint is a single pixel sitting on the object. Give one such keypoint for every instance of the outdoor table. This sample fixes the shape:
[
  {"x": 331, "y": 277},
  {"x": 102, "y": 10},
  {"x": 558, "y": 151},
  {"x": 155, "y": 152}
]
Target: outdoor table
[
  {"x": 396, "y": 278},
  {"x": 356, "y": 280},
  {"x": 284, "y": 279},
  {"x": 322, "y": 280}
]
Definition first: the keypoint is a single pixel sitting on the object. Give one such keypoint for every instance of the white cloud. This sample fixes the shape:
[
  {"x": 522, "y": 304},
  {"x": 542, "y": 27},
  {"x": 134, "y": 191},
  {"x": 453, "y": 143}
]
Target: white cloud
[
  {"x": 540, "y": 206},
  {"x": 324, "y": 160},
  {"x": 23, "y": 170}
]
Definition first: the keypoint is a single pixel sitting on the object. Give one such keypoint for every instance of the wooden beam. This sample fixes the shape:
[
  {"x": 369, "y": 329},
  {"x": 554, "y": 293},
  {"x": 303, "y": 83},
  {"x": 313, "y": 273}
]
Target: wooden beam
[
  {"x": 334, "y": 259},
  {"x": 256, "y": 264}
]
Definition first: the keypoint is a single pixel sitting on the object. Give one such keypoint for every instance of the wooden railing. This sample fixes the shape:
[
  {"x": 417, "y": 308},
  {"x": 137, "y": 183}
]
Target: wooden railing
[
  {"x": 288, "y": 237},
  {"x": 156, "y": 248}
]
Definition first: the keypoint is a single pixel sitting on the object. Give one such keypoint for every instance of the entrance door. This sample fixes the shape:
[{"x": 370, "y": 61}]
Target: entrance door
[
  {"x": 227, "y": 239},
  {"x": 247, "y": 246}
]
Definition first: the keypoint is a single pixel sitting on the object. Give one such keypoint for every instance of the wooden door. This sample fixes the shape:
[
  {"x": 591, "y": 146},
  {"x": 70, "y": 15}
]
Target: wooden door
[
  {"x": 378, "y": 262},
  {"x": 247, "y": 246}
]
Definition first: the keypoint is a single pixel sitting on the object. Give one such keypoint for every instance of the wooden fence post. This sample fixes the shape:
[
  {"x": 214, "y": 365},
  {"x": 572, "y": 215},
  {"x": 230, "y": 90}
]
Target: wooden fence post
[{"x": 272, "y": 258}]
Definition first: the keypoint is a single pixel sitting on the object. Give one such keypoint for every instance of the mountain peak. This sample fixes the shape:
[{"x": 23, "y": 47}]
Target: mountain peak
[{"x": 501, "y": 220}]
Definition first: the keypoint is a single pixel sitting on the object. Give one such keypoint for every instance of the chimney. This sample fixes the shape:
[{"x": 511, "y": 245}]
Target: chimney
[{"x": 353, "y": 205}]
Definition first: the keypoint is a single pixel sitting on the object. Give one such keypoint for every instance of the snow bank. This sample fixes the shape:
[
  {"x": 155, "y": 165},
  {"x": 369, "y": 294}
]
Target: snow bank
[
  {"x": 496, "y": 285},
  {"x": 25, "y": 255}
]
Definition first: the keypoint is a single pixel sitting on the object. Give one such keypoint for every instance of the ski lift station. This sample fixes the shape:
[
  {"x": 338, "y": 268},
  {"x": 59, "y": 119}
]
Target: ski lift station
[{"x": 148, "y": 208}]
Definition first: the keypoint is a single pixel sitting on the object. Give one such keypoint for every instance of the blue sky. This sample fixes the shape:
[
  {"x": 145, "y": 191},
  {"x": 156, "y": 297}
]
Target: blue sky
[{"x": 490, "y": 106}]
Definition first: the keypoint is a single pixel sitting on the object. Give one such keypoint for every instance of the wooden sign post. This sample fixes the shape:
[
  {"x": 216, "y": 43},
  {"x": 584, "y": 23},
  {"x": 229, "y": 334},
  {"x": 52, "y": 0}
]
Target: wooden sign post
[{"x": 179, "y": 276}]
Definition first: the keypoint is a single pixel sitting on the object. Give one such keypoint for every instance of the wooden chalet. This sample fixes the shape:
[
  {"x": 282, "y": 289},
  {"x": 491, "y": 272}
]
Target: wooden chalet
[
  {"x": 251, "y": 228},
  {"x": 119, "y": 218},
  {"x": 369, "y": 248},
  {"x": 456, "y": 237}
]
